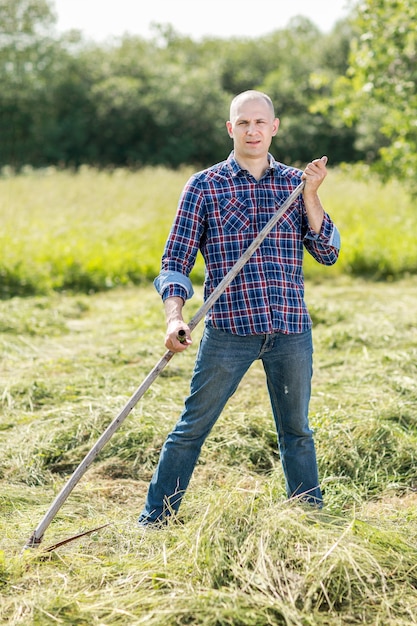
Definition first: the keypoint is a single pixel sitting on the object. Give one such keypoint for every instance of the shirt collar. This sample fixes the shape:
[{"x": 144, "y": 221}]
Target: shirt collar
[{"x": 238, "y": 171}]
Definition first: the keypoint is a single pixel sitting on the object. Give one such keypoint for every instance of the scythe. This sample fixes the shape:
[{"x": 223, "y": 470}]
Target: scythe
[{"x": 36, "y": 538}]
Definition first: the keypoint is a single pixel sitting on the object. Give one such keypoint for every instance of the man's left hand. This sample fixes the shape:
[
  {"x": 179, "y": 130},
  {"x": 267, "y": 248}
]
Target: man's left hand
[{"x": 314, "y": 174}]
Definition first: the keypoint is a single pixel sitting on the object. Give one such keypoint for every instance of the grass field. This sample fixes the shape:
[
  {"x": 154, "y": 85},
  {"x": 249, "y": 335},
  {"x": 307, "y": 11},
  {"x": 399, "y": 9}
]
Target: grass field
[
  {"x": 95, "y": 230},
  {"x": 240, "y": 554}
]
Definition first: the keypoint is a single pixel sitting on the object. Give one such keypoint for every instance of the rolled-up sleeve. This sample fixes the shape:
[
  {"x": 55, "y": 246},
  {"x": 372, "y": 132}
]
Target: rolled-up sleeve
[
  {"x": 171, "y": 284},
  {"x": 325, "y": 245}
]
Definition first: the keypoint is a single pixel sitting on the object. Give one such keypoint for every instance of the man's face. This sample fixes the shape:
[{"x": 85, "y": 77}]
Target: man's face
[{"x": 252, "y": 127}]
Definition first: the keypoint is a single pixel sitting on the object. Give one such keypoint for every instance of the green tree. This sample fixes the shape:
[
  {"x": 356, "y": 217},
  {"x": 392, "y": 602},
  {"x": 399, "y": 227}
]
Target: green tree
[
  {"x": 160, "y": 101},
  {"x": 307, "y": 65},
  {"x": 379, "y": 91},
  {"x": 66, "y": 119},
  {"x": 157, "y": 102},
  {"x": 25, "y": 54}
]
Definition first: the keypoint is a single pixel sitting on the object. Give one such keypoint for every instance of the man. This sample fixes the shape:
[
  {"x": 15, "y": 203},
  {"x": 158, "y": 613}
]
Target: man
[{"x": 261, "y": 315}]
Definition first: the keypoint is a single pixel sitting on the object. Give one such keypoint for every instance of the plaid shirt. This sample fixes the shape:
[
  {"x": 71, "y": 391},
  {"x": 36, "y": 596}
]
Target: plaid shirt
[{"x": 220, "y": 212}]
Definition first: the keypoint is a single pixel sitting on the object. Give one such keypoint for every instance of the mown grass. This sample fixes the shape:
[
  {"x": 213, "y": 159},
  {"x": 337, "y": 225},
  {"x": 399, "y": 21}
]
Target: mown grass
[
  {"x": 240, "y": 554},
  {"x": 94, "y": 230},
  {"x": 84, "y": 248}
]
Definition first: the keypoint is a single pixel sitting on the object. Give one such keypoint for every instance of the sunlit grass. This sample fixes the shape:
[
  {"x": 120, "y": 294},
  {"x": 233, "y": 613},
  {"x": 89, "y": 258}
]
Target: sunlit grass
[
  {"x": 88, "y": 231},
  {"x": 378, "y": 223},
  {"x": 94, "y": 230}
]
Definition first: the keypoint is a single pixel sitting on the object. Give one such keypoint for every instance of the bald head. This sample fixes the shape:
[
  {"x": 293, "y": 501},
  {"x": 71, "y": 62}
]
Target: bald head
[{"x": 245, "y": 96}]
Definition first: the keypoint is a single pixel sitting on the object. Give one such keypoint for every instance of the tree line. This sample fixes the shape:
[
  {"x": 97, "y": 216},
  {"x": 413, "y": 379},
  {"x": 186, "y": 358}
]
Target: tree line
[{"x": 133, "y": 102}]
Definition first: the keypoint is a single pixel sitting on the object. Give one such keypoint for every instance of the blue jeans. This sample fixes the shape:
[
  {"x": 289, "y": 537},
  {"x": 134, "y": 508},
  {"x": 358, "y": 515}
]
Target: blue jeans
[{"x": 222, "y": 361}]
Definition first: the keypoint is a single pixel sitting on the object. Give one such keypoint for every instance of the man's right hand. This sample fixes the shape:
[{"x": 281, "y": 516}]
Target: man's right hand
[{"x": 178, "y": 336}]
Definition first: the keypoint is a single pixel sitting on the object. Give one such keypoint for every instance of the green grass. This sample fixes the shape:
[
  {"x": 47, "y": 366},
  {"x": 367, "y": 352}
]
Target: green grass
[
  {"x": 241, "y": 554},
  {"x": 88, "y": 231},
  {"x": 377, "y": 221},
  {"x": 96, "y": 230}
]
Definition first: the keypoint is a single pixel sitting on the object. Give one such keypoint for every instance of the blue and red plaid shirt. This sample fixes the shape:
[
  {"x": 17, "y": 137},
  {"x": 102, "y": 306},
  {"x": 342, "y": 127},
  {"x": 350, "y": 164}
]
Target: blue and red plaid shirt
[{"x": 220, "y": 212}]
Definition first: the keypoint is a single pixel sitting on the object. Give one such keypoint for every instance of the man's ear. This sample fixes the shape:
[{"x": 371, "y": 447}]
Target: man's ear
[
  {"x": 229, "y": 129},
  {"x": 276, "y": 126}
]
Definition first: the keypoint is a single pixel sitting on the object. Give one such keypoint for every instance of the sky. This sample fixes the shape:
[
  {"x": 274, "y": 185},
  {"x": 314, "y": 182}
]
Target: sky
[{"x": 99, "y": 20}]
